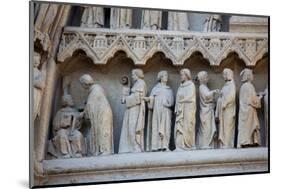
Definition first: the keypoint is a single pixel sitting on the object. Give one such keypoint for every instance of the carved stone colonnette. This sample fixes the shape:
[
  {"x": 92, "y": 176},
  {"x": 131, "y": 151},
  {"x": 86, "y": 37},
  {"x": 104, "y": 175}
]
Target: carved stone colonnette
[{"x": 101, "y": 44}]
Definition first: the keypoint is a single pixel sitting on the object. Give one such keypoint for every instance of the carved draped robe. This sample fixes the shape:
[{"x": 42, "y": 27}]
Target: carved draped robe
[
  {"x": 265, "y": 101},
  {"x": 207, "y": 127},
  {"x": 185, "y": 116},
  {"x": 178, "y": 21},
  {"x": 121, "y": 18},
  {"x": 99, "y": 112},
  {"x": 225, "y": 112},
  {"x": 161, "y": 101},
  {"x": 93, "y": 17},
  {"x": 151, "y": 19},
  {"x": 248, "y": 124},
  {"x": 132, "y": 134},
  {"x": 38, "y": 85}
]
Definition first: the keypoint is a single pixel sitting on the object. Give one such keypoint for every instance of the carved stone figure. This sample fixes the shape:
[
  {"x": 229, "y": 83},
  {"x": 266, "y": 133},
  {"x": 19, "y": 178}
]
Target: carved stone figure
[
  {"x": 213, "y": 23},
  {"x": 132, "y": 134},
  {"x": 46, "y": 17},
  {"x": 38, "y": 85},
  {"x": 93, "y": 17},
  {"x": 265, "y": 103},
  {"x": 185, "y": 110},
  {"x": 249, "y": 101},
  {"x": 225, "y": 111},
  {"x": 160, "y": 103},
  {"x": 121, "y": 18},
  {"x": 68, "y": 141},
  {"x": 178, "y": 21},
  {"x": 99, "y": 112},
  {"x": 207, "y": 129},
  {"x": 151, "y": 19}
]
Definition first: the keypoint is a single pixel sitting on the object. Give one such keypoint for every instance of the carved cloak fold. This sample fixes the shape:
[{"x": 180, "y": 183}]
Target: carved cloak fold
[
  {"x": 99, "y": 112},
  {"x": 248, "y": 125},
  {"x": 185, "y": 116},
  {"x": 161, "y": 101},
  {"x": 225, "y": 112},
  {"x": 207, "y": 127},
  {"x": 132, "y": 134}
]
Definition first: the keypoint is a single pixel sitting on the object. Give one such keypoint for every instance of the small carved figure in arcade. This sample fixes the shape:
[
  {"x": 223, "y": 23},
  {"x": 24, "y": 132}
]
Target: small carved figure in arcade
[
  {"x": 185, "y": 110},
  {"x": 99, "y": 112},
  {"x": 93, "y": 17},
  {"x": 132, "y": 134},
  {"x": 213, "y": 23},
  {"x": 265, "y": 104},
  {"x": 160, "y": 103},
  {"x": 68, "y": 141},
  {"x": 151, "y": 19},
  {"x": 207, "y": 129},
  {"x": 249, "y": 102},
  {"x": 38, "y": 85},
  {"x": 225, "y": 111},
  {"x": 121, "y": 18}
]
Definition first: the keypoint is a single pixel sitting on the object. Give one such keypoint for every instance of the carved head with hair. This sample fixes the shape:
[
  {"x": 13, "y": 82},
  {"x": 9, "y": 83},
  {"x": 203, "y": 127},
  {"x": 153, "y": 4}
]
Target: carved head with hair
[
  {"x": 162, "y": 76},
  {"x": 203, "y": 77},
  {"x": 185, "y": 75},
  {"x": 86, "y": 81},
  {"x": 247, "y": 75},
  {"x": 137, "y": 74},
  {"x": 67, "y": 100},
  {"x": 227, "y": 74}
]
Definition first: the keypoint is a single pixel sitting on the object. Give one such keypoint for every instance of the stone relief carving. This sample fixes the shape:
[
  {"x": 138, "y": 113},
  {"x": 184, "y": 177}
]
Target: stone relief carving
[
  {"x": 225, "y": 111},
  {"x": 38, "y": 85},
  {"x": 93, "y": 17},
  {"x": 68, "y": 141},
  {"x": 151, "y": 19},
  {"x": 178, "y": 21},
  {"x": 177, "y": 47},
  {"x": 132, "y": 133},
  {"x": 249, "y": 102},
  {"x": 265, "y": 103},
  {"x": 121, "y": 18},
  {"x": 185, "y": 110},
  {"x": 98, "y": 111},
  {"x": 160, "y": 103},
  {"x": 207, "y": 130},
  {"x": 213, "y": 23}
]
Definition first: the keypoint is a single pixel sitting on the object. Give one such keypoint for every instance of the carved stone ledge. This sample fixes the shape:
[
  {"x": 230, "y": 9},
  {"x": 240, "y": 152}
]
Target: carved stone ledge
[
  {"x": 101, "y": 44},
  {"x": 151, "y": 165}
]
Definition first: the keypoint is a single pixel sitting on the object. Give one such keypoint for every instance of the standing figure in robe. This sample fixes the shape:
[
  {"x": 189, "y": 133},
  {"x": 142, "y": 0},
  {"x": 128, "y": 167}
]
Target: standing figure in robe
[
  {"x": 68, "y": 141},
  {"x": 265, "y": 103},
  {"x": 249, "y": 102},
  {"x": 121, "y": 18},
  {"x": 185, "y": 110},
  {"x": 99, "y": 112},
  {"x": 160, "y": 103},
  {"x": 225, "y": 111},
  {"x": 178, "y": 21},
  {"x": 151, "y": 19},
  {"x": 93, "y": 17},
  {"x": 213, "y": 23},
  {"x": 38, "y": 85},
  {"x": 132, "y": 134},
  {"x": 207, "y": 129}
]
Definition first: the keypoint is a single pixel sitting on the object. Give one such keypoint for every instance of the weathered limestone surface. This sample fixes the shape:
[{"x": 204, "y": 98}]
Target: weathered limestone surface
[{"x": 160, "y": 165}]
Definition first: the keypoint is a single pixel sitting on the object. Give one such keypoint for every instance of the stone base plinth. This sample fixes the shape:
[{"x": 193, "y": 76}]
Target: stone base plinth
[{"x": 150, "y": 165}]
